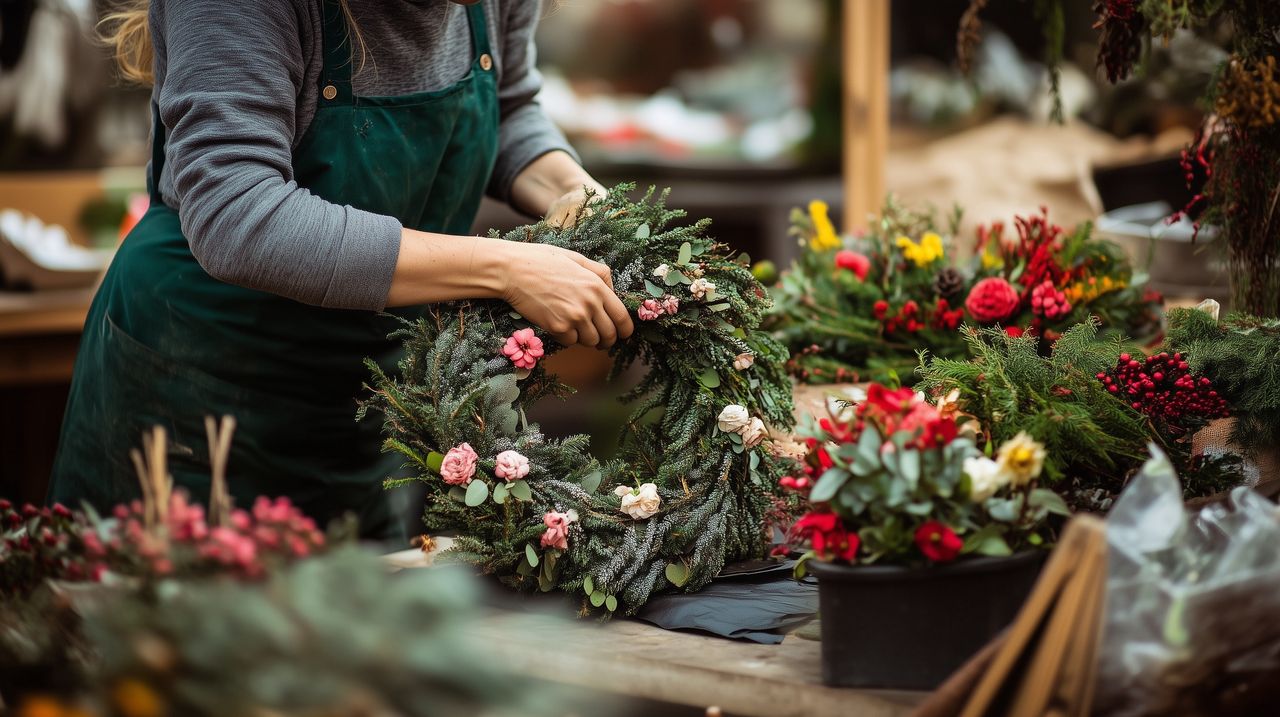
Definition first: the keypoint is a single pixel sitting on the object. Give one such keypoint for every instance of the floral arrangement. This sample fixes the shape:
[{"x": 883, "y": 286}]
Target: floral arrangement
[
  {"x": 900, "y": 480},
  {"x": 860, "y": 308},
  {"x": 696, "y": 484},
  {"x": 1095, "y": 402}
]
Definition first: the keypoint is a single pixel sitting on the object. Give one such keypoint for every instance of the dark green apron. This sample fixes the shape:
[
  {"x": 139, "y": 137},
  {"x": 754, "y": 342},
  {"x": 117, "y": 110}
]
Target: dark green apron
[{"x": 167, "y": 344}]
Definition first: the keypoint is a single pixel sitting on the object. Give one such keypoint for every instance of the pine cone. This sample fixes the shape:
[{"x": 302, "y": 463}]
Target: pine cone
[{"x": 948, "y": 283}]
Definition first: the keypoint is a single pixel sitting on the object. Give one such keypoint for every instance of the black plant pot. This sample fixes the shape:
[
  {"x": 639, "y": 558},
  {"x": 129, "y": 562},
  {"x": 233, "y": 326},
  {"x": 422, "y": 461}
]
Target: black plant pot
[{"x": 910, "y": 628}]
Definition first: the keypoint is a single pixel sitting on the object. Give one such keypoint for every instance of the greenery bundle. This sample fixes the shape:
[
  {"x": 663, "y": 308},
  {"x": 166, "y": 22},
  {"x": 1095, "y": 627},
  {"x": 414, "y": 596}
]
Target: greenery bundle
[
  {"x": 694, "y": 485},
  {"x": 859, "y": 308},
  {"x": 1094, "y": 438},
  {"x": 1239, "y": 355}
]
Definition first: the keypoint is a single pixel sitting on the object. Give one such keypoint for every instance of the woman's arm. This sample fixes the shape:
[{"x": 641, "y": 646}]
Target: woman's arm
[{"x": 554, "y": 185}]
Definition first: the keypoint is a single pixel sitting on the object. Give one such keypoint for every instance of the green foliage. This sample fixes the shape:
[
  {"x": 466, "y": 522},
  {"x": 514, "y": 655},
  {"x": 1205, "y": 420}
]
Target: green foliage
[
  {"x": 455, "y": 386},
  {"x": 1239, "y": 355},
  {"x": 1094, "y": 440}
]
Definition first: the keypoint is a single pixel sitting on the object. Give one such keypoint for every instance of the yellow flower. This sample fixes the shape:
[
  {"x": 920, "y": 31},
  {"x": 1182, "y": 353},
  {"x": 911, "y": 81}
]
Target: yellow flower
[
  {"x": 1021, "y": 459},
  {"x": 991, "y": 259},
  {"x": 926, "y": 252},
  {"x": 825, "y": 237}
]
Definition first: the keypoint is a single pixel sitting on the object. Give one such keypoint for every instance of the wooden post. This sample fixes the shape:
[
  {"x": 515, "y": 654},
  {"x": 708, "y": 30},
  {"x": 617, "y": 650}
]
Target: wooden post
[{"x": 865, "y": 108}]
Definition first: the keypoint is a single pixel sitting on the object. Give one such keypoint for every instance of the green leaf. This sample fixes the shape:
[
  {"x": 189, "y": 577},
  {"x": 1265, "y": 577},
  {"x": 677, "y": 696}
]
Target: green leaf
[
  {"x": 530, "y": 555},
  {"x": 684, "y": 278},
  {"x": 524, "y": 568},
  {"x": 868, "y": 456},
  {"x": 642, "y": 231},
  {"x": 597, "y": 598},
  {"x": 546, "y": 583},
  {"x": 520, "y": 489},
  {"x": 457, "y": 493},
  {"x": 718, "y": 307},
  {"x": 476, "y": 493},
  {"x": 686, "y": 253},
  {"x": 591, "y": 481},
  {"x": 515, "y": 315},
  {"x": 737, "y": 447},
  {"x": 588, "y": 585},
  {"x": 988, "y": 540},
  {"x": 1050, "y": 501},
  {"x": 435, "y": 460},
  {"x": 1004, "y": 509},
  {"x": 910, "y": 465},
  {"x": 504, "y": 388},
  {"x": 828, "y": 485},
  {"x": 673, "y": 278},
  {"x": 709, "y": 378},
  {"x": 611, "y": 603},
  {"x": 677, "y": 574},
  {"x": 506, "y": 418},
  {"x": 654, "y": 290},
  {"x": 500, "y": 493},
  {"x": 755, "y": 460}
]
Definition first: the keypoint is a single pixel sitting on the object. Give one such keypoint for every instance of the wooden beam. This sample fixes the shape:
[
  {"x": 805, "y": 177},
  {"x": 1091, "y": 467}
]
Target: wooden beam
[{"x": 865, "y": 52}]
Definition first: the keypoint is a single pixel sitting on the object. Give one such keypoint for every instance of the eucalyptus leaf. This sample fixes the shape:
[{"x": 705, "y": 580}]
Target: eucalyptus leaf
[
  {"x": 500, "y": 493},
  {"x": 654, "y": 290},
  {"x": 910, "y": 465},
  {"x": 457, "y": 493},
  {"x": 597, "y": 598},
  {"x": 520, "y": 489},
  {"x": 1050, "y": 501},
  {"x": 677, "y": 574},
  {"x": 507, "y": 418},
  {"x": 673, "y": 278},
  {"x": 718, "y": 307},
  {"x": 709, "y": 378},
  {"x": 755, "y": 460},
  {"x": 530, "y": 555},
  {"x": 504, "y": 388},
  {"x": 591, "y": 481},
  {"x": 435, "y": 460},
  {"x": 515, "y": 315},
  {"x": 1004, "y": 509},
  {"x": 987, "y": 540},
  {"x": 611, "y": 603},
  {"x": 642, "y": 231},
  {"x": 686, "y": 253},
  {"x": 588, "y": 585},
  {"x": 477, "y": 491},
  {"x": 828, "y": 485}
]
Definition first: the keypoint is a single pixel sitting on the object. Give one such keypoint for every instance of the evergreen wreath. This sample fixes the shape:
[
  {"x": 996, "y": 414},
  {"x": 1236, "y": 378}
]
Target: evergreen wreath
[{"x": 696, "y": 483}]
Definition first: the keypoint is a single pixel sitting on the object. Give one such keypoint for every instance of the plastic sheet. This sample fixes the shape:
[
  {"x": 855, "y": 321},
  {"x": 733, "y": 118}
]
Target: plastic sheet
[{"x": 1193, "y": 603}]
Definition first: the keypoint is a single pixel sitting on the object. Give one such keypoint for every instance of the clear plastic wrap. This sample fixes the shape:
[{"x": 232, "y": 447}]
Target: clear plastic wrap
[{"x": 1193, "y": 603}]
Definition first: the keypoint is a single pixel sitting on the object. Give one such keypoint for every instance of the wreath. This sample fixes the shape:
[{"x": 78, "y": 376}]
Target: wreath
[{"x": 696, "y": 482}]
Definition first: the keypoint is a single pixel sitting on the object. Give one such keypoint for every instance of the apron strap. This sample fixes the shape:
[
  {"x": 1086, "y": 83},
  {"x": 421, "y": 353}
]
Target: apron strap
[
  {"x": 335, "y": 76},
  {"x": 479, "y": 30},
  {"x": 157, "y": 156}
]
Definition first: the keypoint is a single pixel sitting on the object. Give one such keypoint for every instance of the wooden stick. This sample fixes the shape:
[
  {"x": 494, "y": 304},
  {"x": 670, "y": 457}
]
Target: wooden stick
[
  {"x": 865, "y": 109},
  {"x": 219, "y": 453}
]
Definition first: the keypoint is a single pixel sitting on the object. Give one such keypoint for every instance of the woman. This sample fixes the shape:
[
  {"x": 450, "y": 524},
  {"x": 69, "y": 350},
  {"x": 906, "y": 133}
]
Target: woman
[{"x": 315, "y": 162}]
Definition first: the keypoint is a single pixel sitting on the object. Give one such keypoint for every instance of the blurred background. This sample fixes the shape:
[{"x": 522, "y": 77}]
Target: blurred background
[{"x": 733, "y": 104}]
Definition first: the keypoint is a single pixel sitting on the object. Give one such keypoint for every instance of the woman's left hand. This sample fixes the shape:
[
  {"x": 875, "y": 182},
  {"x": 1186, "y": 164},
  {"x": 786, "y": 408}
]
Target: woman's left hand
[
  {"x": 564, "y": 211},
  {"x": 556, "y": 187}
]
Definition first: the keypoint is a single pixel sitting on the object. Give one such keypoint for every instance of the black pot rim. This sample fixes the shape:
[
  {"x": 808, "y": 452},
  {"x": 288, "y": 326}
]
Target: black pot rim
[{"x": 836, "y": 572}]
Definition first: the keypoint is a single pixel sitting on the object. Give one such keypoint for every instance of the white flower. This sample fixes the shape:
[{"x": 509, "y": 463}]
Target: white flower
[
  {"x": 985, "y": 478},
  {"x": 733, "y": 418},
  {"x": 571, "y": 516},
  {"x": 1021, "y": 458},
  {"x": 639, "y": 503},
  {"x": 753, "y": 433},
  {"x": 701, "y": 287},
  {"x": 511, "y": 465},
  {"x": 697, "y": 271},
  {"x": 662, "y": 271},
  {"x": 743, "y": 361}
]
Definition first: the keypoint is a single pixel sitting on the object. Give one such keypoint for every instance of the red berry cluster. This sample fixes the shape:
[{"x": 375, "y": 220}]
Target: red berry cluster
[
  {"x": 44, "y": 544},
  {"x": 833, "y": 374},
  {"x": 944, "y": 317},
  {"x": 1163, "y": 388},
  {"x": 1048, "y": 302},
  {"x": 912, "y": 319}
]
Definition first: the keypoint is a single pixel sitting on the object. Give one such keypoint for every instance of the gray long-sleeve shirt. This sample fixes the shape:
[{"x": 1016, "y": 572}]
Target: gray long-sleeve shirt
[{"x": 236, "y": 84}]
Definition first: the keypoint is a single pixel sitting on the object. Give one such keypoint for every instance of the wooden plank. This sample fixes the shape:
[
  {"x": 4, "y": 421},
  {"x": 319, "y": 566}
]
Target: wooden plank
[
  {"x": 865, "y": 108},
  {"x": 43, "y": 312}
]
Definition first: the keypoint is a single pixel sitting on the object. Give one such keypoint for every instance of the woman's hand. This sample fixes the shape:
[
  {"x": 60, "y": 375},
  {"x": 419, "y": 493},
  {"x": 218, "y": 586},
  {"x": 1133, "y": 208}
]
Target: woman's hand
[
  {"x": 554, "y": 186},
  {"x": 565, "y": 293},
  {"x": 564, "y": 211}
]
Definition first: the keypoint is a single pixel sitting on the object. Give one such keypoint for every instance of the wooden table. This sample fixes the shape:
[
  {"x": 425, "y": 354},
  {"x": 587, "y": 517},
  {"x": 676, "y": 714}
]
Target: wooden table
[
  {"x": 39, "y": 334},
  {"x": 633, "y": 659}
]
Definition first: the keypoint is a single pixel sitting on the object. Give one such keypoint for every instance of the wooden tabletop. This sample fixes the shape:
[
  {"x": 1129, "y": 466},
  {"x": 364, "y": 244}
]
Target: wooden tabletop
[
  {"x": 27, "y": 313},
  {"x": 630, "y": 658}
]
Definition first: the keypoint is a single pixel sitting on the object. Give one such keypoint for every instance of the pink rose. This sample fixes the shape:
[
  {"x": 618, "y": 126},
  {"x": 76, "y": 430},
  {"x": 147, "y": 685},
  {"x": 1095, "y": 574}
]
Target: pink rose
[
  {"x": 649, "y": 310},
  {"x": 511, "y": 466},
  {"x": 557, "y": 533},
  {"x": 459, "y": 465},
  {"x": 523, "y": 348},
  {"x": 670, "y": 304}
]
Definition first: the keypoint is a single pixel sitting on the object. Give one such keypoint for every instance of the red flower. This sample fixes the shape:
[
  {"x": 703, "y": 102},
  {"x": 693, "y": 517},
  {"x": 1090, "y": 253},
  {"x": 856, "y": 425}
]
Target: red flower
[
  {"x": 888, "y": 401},
  {"x": 859, "y": 264},
  {"x": 828, "y": 536},
  {"x": 939, "y": 543},
  {"x": 991, "y": 300},
  {"x": 1013, "y": 331}
]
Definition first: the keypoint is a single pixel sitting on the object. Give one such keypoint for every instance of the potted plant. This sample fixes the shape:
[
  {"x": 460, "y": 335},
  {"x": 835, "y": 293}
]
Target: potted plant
[{"x": 924, "y": 547}]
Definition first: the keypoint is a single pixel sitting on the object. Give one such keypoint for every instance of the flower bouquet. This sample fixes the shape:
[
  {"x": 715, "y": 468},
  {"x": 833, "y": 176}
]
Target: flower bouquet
[
  {"x": 910, "y": 523},
  {"x": 859, "y": 308}
]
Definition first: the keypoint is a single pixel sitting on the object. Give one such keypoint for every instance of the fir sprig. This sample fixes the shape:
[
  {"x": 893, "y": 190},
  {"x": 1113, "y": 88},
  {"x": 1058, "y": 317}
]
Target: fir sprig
[{"x": 455, "y": 386}]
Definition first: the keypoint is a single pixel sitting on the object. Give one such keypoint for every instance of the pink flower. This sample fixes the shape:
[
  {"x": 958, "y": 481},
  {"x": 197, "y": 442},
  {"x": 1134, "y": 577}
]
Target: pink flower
[
  {"x": 557, "y": 533},
  {"x": 650, "y": 310},
  {"x": 670, "y": 304},
  {"x": 523, "y": 348},
  {"x": 859, "y": 264},
  {"x": 459, "y": 465},
  {"x": 511, "y": 466}
]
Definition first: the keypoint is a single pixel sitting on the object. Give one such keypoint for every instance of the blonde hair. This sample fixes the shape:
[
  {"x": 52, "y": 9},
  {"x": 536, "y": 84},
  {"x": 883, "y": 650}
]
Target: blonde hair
[{"x": 126, "y": 31}]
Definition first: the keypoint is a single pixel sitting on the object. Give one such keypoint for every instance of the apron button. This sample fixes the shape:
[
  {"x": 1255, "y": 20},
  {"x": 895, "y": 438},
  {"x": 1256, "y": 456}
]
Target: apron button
[
  {"x": 486, "y": 62},
  {"x": 329, "y": 92}
]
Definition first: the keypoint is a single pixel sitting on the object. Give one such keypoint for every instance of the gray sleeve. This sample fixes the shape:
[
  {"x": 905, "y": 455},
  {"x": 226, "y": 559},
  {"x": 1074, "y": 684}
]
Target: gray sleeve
[
  {"x": 227, "y": 95},
  {"x": 526, "y": 133}
]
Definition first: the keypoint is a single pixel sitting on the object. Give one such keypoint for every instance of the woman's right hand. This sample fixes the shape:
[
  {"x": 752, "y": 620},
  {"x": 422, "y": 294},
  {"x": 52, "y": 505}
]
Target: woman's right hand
[{"x": 565, "y": 293}]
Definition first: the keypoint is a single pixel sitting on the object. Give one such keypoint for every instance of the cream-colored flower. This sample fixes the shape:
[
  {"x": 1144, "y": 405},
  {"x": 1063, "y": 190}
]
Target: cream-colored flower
[
  {"x": 781, "y": 446},
  {"x": 733, "y": 418},
  {"x": 985, "y": 478},
  {"x": 662, "y": 271},
  {"x": 701, "y": 287},
  {"x": 1021, "y": 459},
  {"x": 743, "y": 361},
  {"x": 753, "y": 433},
  {"x": 639, "y": 503},
  {"x": 697, "y": 271}
]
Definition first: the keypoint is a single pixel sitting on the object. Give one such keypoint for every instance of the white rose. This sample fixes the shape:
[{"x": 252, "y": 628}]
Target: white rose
[
  {"x": 753, "y": 433},
  {"x": 985, "y": 478},
  {"x": 743, "y": 361},
  {"x": 662, "y": 271},
  {"x": 640, "y": 503},
  {"x": 733, "y": 418},
  {"x": 701, "y": 287}
]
